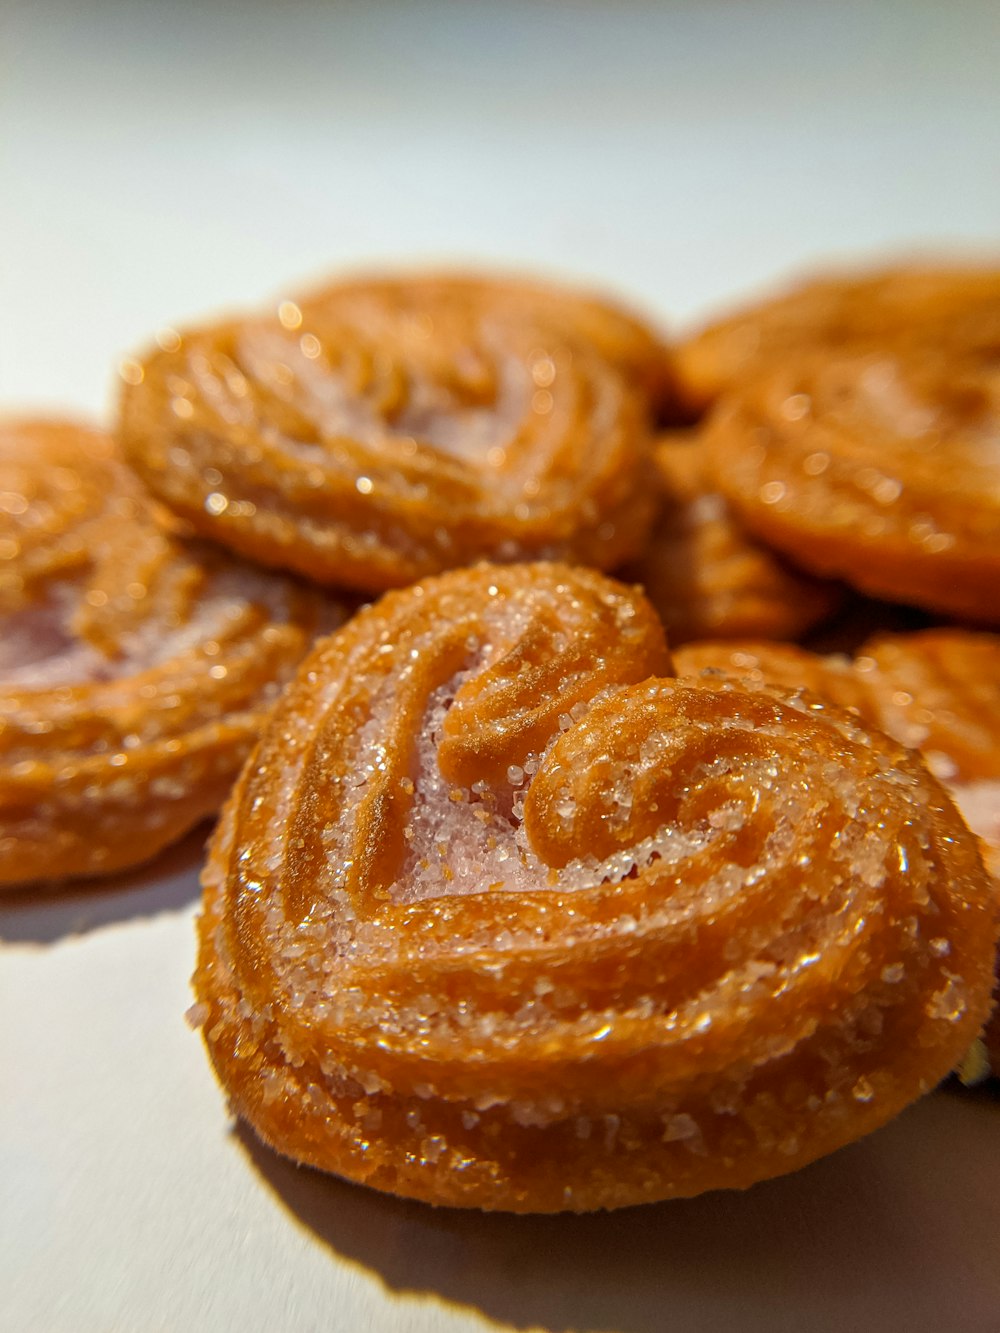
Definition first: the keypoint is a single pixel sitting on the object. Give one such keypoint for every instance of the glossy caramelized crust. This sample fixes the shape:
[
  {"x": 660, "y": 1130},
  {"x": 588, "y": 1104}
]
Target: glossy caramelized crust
[
  {"x": 879, "y": 467},
  {"x": 706, "y": 577},
  {"x": 498, "y": 916},
  {"x": 376, "y": 432},
  {"x": 832, "y": 313},
  {"x": 135, "y": 669}
]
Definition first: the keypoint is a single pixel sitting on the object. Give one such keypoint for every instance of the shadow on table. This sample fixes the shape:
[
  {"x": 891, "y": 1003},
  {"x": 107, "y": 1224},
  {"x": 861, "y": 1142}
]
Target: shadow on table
[
  {"x": 861, "y": 1239},
  {"x": 48, "y": 913}
]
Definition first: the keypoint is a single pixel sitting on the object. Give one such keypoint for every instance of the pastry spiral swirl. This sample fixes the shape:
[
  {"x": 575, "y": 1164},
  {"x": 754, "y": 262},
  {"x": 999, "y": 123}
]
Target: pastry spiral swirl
[
  {"x": 380, "y": 431},
  {"x": 619, "y": 335},
  {"x": 500, "y": 916},
  {"x": 135, "y": 668}
]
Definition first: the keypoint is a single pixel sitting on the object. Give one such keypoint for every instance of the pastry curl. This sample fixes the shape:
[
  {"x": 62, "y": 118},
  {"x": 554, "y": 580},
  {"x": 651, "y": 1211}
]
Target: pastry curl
[
  {"x": 936, "y": 691},
  {"x": 380, "y": 431},
  {"x": 135, "y": 669},
  {"x": 498, "y": 916}
]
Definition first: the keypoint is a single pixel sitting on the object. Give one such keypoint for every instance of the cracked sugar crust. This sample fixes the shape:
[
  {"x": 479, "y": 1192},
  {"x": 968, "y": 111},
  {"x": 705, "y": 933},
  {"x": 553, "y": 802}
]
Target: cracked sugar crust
[
  {"x": 705, "y": 575},
  {"x": 136, "y": 668},
  {"x": 377, "y": 431},
  {"x": 502, "y": 915}
]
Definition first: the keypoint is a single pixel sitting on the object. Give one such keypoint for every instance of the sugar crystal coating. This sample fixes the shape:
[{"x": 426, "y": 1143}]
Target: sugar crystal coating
[
  {"x": 937, "y": 691},
  {"x": 502, "y": 915}
]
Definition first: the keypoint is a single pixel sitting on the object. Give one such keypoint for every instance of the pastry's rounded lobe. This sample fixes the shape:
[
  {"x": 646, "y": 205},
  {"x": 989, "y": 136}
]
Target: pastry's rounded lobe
[
  {"x": 878, "y": 467},
  {"x": 830, "y": 313},
  {"x": 936, "y": 690},
  {"x": 705, "y": 575},
  {"x": 136, "y": 668},
  {"x": 500, "y": 916},
  {"x": 377, "y": 432}
]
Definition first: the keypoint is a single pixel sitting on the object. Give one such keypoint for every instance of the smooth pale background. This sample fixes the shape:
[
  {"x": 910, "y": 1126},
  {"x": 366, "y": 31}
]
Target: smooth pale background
[{"x": 160, "y": 161}]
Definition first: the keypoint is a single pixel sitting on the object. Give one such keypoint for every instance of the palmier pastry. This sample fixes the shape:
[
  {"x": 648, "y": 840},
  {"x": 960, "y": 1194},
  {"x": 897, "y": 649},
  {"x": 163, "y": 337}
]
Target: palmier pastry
[
  {"x": 135, "y": 669},
  {"x": 499, "y": 916},
  {"x": 705, "y": 576},
  {"x": 376, "y": 432},
  {"x": 878, "y": 467},
  {"x": 830, "y": 313}
]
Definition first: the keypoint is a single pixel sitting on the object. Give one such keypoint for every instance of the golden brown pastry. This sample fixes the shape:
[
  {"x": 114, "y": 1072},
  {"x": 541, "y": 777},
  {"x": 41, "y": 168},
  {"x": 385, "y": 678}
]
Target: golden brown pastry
[
  {"x": 830, "y": 314},
  {"x": 706, "y": 577},
  {"x": 135, "y": 669},
  {"x": 379, "y": 431},
  {"x": 500, "y": 916},
  {"x": 878, "y": 467}
]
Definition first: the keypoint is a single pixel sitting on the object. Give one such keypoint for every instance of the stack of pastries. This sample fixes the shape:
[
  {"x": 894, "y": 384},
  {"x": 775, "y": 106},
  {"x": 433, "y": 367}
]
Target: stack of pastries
[{"x": 638, "y": 835}]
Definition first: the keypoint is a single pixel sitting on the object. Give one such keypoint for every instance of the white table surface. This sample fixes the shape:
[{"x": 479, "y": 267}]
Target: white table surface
[{"x": 162, "y": 161}]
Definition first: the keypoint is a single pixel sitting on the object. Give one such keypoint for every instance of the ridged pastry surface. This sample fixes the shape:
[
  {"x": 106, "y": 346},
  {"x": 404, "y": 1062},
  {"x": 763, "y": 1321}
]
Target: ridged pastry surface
[
  {"x": 135, "y": 668},
  {"x": 619, "y": 334},
  {"x": 377, "y": 431},
  {"x": 502, "y": 915},
  {"x": 936, "y": 691}
]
